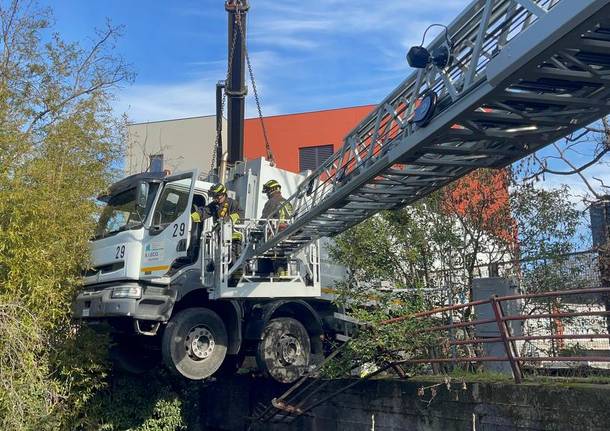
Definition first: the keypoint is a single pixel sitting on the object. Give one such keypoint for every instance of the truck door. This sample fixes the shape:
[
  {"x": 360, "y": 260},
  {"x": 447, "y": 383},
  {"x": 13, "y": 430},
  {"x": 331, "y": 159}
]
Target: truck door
[{"x": 169, "y": 225}]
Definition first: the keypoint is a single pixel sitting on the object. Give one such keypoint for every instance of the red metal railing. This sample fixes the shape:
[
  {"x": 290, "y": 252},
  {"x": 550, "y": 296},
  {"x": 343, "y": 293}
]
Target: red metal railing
[
  {"x": 508, "y": 340},
  {"x": 303, "y": 396}
]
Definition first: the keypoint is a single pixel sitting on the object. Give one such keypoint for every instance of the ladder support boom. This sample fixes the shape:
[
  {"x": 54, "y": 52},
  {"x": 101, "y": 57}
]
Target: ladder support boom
[{"x": 525, "y": 73}]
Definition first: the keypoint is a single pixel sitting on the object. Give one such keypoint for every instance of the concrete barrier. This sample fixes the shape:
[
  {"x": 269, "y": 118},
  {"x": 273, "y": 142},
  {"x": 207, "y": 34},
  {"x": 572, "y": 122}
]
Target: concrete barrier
[{"x": 393, "y": 405}]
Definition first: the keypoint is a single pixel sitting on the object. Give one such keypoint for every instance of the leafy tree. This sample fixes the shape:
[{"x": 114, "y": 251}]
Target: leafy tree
[
  {"x": 441, "y": 244},
  {"x": 578, "y": 155},
  {"x": 439, "y": 241},
  {"x": 435, "y": 245},
  {"x": 152, "y": 401},
  {"x": 548, "y": 232},
  {"x": 59, "y": 141},
  {"x": 480, "y": 205}
]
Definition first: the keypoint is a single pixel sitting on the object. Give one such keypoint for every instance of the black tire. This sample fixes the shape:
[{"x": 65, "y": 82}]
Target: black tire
[
  {"x": 284, "y": 352},
  {"x": 132, "y": 355},
  {"x": 194, "y": 343}
]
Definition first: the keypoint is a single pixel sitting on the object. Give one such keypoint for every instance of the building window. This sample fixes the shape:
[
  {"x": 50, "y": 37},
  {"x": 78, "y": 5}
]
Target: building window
[
  {"x": 156, "y": 163},
  {"x": 310, "y": 158}
]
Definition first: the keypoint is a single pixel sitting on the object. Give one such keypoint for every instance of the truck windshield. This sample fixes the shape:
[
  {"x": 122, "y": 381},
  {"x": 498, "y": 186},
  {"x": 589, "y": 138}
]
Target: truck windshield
[{"x": 121, "y": 212}]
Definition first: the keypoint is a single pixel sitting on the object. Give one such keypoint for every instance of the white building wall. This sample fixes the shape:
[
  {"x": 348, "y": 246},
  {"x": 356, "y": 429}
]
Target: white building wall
[{"x": 185, "y": 144}]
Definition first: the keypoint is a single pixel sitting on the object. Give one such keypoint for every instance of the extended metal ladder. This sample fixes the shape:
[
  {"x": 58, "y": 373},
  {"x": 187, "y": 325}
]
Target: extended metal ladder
[{"x": 525, "y": 73}]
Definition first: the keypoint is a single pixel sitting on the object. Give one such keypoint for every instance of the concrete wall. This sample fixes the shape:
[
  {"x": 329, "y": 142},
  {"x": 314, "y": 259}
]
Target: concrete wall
[
  {"x": 185, "y": 144},
  {"x": 393, "y": 405}
]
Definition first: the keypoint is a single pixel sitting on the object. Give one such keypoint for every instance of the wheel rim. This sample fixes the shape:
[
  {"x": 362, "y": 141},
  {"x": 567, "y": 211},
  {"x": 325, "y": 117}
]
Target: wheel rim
[
  {"x": 288, "y": 349},
  {"x": 199, "y": 343},
  {"x": 284, "y": 350}
]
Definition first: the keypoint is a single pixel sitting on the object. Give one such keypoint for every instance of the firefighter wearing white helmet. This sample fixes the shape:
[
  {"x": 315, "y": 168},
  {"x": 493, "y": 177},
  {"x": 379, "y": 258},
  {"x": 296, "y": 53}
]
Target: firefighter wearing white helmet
[{"x": 276, "y": 207}]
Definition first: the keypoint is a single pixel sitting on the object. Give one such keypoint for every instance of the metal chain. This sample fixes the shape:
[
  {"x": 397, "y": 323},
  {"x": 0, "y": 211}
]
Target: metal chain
[
  {"x": 218, "y": 133},
  {"x": 256, "y": 98},
  {"x": 224, "y": 95}
]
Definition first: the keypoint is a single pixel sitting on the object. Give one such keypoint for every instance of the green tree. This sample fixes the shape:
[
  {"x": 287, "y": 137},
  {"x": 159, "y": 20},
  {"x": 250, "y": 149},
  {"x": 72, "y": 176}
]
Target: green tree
[
  {"x": 59, "y": 140},
  {"x": 548, "y": 232},
  {"x": 446, "y": 240},
  {"x": 580, "y": 155},
  {"x": 438, "y": 242},
  {"x": 426, "y": 254}
]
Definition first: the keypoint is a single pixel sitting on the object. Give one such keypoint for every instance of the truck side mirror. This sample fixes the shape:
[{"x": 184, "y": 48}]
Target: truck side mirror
[{"x": 142, "y": 195}]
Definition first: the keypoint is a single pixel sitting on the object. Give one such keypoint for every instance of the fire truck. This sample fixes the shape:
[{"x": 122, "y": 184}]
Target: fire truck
[{"x": 504, "y": 79}]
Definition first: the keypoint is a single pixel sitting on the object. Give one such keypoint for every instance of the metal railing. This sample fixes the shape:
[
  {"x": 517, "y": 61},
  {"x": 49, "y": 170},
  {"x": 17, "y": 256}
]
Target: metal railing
[
  {"x": 312, "y": 390},
  {"x": 505, "y": 334}
]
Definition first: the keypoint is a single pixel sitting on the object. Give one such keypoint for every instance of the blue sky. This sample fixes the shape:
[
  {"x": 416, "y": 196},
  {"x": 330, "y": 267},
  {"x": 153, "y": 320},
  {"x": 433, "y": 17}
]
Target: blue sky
[{"x": 307, "y": 56}]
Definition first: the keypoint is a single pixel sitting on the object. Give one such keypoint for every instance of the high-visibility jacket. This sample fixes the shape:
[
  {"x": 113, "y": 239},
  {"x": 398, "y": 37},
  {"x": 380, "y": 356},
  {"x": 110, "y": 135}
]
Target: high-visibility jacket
[
  {"x": 277, "y": 208},
  {"x": 228, "y": 210}
]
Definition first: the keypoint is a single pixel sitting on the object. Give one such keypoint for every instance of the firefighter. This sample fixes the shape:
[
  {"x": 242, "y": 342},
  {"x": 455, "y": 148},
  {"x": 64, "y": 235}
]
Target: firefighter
[
  {"x": 222, "y": 207},
  {"x": 225, "y": 209},
  {"x": 276, "y": 207}
]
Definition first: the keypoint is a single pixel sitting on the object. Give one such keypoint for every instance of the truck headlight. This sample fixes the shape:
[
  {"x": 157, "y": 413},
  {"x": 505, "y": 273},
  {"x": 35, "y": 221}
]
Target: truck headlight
[{"x": 134, "y": 292}]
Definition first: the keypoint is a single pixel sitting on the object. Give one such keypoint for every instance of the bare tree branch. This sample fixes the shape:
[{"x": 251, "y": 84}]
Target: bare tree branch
[
  {"x": 576, "y": 170},
  {"x": 572, "y": 142}
]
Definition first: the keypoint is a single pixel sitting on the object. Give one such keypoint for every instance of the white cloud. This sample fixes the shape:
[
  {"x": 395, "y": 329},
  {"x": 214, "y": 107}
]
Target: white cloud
[
  {"x": 286, "y": 42},
  {"x": 196, "y": 95},
  {"x": 276, "y": 26},
  {"x": 150, "y": 102},
  {"x": 320, "y": 51},
  {"x": 293, "y": 24}
]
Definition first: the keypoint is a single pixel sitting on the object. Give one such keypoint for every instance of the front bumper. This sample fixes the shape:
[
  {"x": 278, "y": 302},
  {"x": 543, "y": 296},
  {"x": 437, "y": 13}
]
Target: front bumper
[{"x": 155, "y": 304}]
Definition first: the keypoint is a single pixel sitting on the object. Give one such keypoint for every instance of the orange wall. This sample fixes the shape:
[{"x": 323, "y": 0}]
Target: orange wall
[{"x": 288, "y": 133}]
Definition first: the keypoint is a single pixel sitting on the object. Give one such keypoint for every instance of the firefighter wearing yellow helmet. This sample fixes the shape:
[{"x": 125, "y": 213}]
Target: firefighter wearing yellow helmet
[
  {"x": 221, "y": 208},
  {"x": 276, "y": 207}
]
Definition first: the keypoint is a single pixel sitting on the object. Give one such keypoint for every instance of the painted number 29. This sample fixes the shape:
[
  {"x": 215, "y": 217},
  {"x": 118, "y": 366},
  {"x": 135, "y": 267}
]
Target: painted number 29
[
  {"x": 178, "y": 230},
  {"x": 120, "y": 252}
]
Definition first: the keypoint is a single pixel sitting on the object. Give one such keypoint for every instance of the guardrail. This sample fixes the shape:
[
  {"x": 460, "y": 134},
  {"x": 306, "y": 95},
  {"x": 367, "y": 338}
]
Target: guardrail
[
  {"x": 308, "y": 393},
  {"x": 505, "y": 336}
]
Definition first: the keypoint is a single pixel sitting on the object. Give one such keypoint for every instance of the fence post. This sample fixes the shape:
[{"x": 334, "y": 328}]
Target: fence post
[
  {"x": 600, "y": 234},
  {"x": 505, "y": 334}
]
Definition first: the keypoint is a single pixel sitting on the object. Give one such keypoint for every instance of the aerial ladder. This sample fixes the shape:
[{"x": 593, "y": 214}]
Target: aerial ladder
[{"x": 508, "y": 78}]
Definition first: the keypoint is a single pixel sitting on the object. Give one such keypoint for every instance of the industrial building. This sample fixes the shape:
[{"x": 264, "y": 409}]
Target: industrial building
[{"x": 299, "y": 141}]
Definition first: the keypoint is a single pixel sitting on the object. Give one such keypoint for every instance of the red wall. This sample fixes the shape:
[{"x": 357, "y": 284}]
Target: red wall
[{"x": 288, "y": 133}]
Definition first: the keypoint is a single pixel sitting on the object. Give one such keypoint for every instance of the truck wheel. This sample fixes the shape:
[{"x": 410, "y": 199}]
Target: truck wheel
[
  {"x": 284, "y": 350},
  {"x": 194, "y": 343}
]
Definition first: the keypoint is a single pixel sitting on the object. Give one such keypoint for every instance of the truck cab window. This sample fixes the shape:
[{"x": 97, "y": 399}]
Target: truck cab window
[
  {"x": 122, "y": 213},
  {"x": 172, "y": 203}
]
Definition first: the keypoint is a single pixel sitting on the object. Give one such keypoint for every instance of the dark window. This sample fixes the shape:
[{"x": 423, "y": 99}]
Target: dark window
[
  {"x": 172, "y": 203},
  {"x": 310, "y": 158},
  {"x": 156, "y": 163}
]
